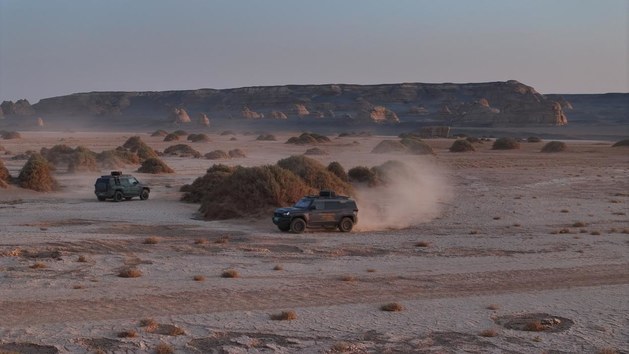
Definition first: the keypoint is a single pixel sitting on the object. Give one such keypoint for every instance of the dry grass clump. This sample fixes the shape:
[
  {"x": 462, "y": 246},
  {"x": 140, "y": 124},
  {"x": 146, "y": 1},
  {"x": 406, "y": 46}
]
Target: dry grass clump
[
  {"x": 416, "y": 146},
  {"x": 488, "y": 333},
  {"x": 111, "y": 159},
  {"x": 130, "y": 333},
  {"x": 149, "y": 324},
  {"x": 308, "y": 138},
  {"x": 37, "y": 175},
  {"x": 315, "y": 174},
  {"x": 198, "y": 278},
  {"x": 554, "y": 146},
  {"x": 152, "y": 240},
  {"x": 171, "y": 137},
  {"x": 362, "y": 174},
  {"x": 461, "y": 146},
  {"x": 76, "y": 160},
  {"x": 236, "y": 153},
  {"x": 505, "y": 144},
  {"x": 422, "y": 244},
  {"x": 38, "y": 265},
  {"x": 579, "y": 224},
  {"x": 130, "y": 272},
  {"x": 164, "y": 348},
  {"x": 388, "y": 146},
  {"x": 182, "y": 150},
  {"x": 533, "y": 139},
  {"x": 230, "y": 273},
  {"x": 214, "y": 177},
  {"x": 392, "y": 307},
  {"x": 217, "y": 155},
  {"x": 10, "y": 135},
  {"x": 199, "y": 138},
  {"x": 266, "y": 137},
  {"x": 315, "y": 151},
  {"x": 285, "y": 316},
  {"x": 136, "y": 145},
  {"x": 493, "y": 307},
  {"x": 155, "y": 166},
  {"x": 348, "y": 278},
  {"x": 338, "y": 170},
  {"x": 5, "y": 177},
  {"x": 82, "y": 259},
  {"x": 278, "y": 267},
  {"x": 159, "y": 132},
  {"x": 595, "y": 233},
  {"x": 180, "y": 132},
  {"x": 608, "y": 351},
  {"x": 534, "y": 326},
  {"x": 624, "y": 142}
]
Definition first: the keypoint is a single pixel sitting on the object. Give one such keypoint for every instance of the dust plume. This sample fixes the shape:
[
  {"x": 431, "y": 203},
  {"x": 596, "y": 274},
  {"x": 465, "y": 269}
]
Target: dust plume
[{"x": 412, "y": 192}]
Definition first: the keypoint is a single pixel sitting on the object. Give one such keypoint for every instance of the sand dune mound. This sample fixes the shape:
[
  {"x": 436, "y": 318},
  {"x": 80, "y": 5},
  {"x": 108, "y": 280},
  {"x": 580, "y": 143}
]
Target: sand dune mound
[
  {"x": 379, "y": 175},
  {"x": 236, "y": 153},
  {"x": 308, "y": 138},
  {"x": 624, "y": 142},
  {"x": 180, "y": 132},
  {"x": 505, "y": 144},
  {"x": 10, "y": 135},
  {"x": 171, "y": 137},
  {"x": 217, "y": 155},
  {"x": 37, "y": 175},
  {"x": 199, "y": 138},
  {"x": 462, "y": 145},
  {"x": 533, "y": 139},
  {"x": 136, "y": 145},
  {"x": 416, "y": 146},
  {"x": 389, "y": 146},
  {"x": 338, "y": 170},
  {"x": 182, "y": 150},
  {"x": 73, "y": 160},
  {"x": 5, "y": 177},
  {"x": 315, "y": 151},
  {"x": 159, "y": 132},
  {"x": 228, "y": 132},
  {"x": 554, "y": 146},
  {"x": 315, "y": 174},
  {"x": 155, "y": 166},
  {"x": 213, "y": 177},
  {"x": 266, "y": 137},
  {"x": 112, "y": 159}
]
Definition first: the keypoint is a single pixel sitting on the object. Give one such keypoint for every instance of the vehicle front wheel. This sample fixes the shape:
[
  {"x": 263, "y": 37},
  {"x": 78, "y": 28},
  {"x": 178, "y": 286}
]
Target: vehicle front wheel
[
  {"x": 101, "y": 199},
  {"x": 144, "y": 195},
  {"x": 284, "y": 228},
  {"x": 346, "y": 225},
  {"x": 118, "y": 196},
  {"x": 298, "y": 225}
]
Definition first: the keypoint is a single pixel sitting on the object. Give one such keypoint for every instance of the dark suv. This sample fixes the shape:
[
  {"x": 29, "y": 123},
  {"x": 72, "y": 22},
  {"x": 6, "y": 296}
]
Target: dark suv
[
  {"x": 325, "y": 210},
  {"x": 117, "y": 186}
]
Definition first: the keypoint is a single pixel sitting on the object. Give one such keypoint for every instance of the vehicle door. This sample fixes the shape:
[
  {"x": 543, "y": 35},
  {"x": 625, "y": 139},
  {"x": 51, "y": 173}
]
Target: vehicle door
[
  {"x": 133, "y": 186},
  {"x": 323, "y": 213}
]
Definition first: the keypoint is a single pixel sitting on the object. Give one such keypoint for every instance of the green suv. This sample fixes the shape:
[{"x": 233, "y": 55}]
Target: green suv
[
  {"x": 326, "y": 210},
  {"x": 117, "y": 186}
]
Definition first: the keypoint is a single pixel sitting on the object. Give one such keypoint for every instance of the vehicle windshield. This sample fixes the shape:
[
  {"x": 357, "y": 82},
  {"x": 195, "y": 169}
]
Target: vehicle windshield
[{"x": 303, "y": 203}]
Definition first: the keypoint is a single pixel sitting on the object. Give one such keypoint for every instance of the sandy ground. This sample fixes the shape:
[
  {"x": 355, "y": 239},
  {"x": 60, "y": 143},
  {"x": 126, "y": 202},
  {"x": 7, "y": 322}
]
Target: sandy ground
[{"x": 494, "y": 236}]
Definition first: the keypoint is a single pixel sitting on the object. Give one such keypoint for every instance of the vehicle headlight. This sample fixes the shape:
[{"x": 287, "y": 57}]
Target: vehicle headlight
[{"x": 287, "y": 213}]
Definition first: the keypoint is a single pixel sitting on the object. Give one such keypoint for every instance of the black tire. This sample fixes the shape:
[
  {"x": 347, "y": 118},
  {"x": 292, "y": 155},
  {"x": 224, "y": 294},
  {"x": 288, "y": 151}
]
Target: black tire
[
  {"x": 118, "y": 196},
  {"x": 101, "y": 199},
  {"x": 346, "y": 224},
  {"x": 144, "y": 195},
  {"x": 127, "y": 198},
  {"x": 298, "y": 225},
  {"x": 284, "y": 228}
]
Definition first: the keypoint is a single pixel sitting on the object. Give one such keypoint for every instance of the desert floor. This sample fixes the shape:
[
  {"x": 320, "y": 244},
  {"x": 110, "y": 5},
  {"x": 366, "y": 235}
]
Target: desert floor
[{"x": 485, "y": 244}]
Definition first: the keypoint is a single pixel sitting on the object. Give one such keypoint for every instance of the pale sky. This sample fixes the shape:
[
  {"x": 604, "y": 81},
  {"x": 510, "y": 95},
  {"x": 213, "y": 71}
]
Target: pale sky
[{"x": 53, "y": 48}]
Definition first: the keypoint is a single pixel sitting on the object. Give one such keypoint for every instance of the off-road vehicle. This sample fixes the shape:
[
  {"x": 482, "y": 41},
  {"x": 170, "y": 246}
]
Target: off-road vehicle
[
  {"x": 117, "y": 186},
  {"x": 326, "y": 210}
]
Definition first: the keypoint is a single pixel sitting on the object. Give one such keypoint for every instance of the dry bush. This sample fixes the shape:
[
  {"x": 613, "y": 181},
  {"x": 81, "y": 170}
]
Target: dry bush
[
  {"x": 308, "y": 138},
  {"x": 608, "y": 351},
  {"x": 392, "y": 307},
  {"x": 164, "y": 348},
  {"x": 182, "y": 150},
  {"x": 199, "y": 138},
  {"x": 624, "y": 142},
  {"x": 111, "y": 159},
  {"x": 4, "y": 174},
  {"x": 198, "y": 278},
  {"x": 533, "y": 139},
  {"x": 534, "y": 326},
  {"x": 461, "y": 146},
  {"x": 180, "y": 132},
  {"x": 130, "y": 333},
  {"x": 493, "y": 307},
  {"x": 362, "y": 174},
  {"x": 82, "y": 259},
  {"x": 10, "y": 135},
  {"x": 57, "y": 154},
  {"x": 214, "y": 177},
  {"x": 130, "y": 273},
  {"x": 152, "y": 240},
  {"x": 416, "y": 146},
  {"x": 338, "y": 170},
  {"x": 236, "y": 153},
  {"x": 175, "y": 331},
  {"x": 171, "y": 137},
  {"x": 554, "y": 146},
  {"x": 348, "y": 278},
  {"x": 38, "y": 265},
  {"x": 228, "y": 132},
  {"x": 159, "y": 132},
  {"x": 155, "y": 166},
  {"x": 488, "y": 333},
  {"x": 422, "y": 244},
  {"x": 371, "y": 270},
  {"x": 136, "y": 145},
  {"x": 83, "y": 160},
  {"x": 315, "y": 151},
  {"x": 222, "y": 240},
  {"x": 37, "y": 175},
  {"x": 217, "y": 155},
  {"x": 579, "y": 224},
  {"x": 505, "y": 144},
  {"x": 595, "y": 233},
  {"x": 388, "y": 146},
  {"x": 278, "y": 267},
  {"x": 201, "y": 241},
  {"x": 230, "y": 273},
  {"x": 315, "y": 174},
  {"x": 149, "y": 324},
  {"x": 266, "y": 137},
  {"x": 78, "y": 286},
  {"x": 472, "y": 139},
  {"x": 284, "y": 316}
]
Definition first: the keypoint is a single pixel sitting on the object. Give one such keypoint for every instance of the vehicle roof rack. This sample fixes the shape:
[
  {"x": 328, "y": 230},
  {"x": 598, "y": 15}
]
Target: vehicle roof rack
[{"x": 116, "y": 173}]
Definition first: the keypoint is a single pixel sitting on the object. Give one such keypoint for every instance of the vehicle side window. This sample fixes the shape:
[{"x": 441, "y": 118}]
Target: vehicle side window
[
  {"x": 117, "y": 181},
  {"x": 133, "y": 180},
  {"x": 333, "y": 205},
  {"x": 319, "y": 205}
]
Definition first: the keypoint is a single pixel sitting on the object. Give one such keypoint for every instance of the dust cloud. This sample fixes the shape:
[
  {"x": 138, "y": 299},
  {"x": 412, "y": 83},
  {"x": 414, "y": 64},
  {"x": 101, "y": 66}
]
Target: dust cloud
[{"x": 414, "y": 192}]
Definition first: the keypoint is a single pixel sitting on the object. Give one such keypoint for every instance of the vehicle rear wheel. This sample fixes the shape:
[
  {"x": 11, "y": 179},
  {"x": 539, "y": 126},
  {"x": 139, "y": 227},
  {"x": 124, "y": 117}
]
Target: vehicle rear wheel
[
  {"x": 346, "y": 225},
  {"x": 144, "y": 195},
  {"x": 101, "y": 199},
  {"x": 118, "y": 196},
  {"x": 298, "y": 225}
]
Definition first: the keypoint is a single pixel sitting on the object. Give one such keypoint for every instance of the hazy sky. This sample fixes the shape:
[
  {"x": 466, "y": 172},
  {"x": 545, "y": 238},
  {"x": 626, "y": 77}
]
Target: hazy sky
[{"x": 52, "y": 48}]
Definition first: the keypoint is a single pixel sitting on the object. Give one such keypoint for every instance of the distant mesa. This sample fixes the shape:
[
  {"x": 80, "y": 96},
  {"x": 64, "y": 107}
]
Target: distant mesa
[
  {"x": 249, "y": 114},
  {"x": 301, "y": 110},
  {"x": 379, "y": 114}
]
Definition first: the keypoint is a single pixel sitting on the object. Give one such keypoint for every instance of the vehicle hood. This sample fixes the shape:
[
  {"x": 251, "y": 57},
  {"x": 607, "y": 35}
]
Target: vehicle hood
[{"x": 291, "y": 209}]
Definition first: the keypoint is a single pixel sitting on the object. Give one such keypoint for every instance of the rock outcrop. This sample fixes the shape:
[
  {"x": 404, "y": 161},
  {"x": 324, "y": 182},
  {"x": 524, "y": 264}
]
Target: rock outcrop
[
  {"x": 179, "y": 115},
  {"x": 204, "y": 120}
]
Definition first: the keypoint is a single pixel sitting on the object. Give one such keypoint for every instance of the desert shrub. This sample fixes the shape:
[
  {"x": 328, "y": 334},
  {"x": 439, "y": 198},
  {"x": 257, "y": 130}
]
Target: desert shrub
[
  {"x": 213, "y": 177},
  {"x": 130, "y": 333},
  {"x": 416, "y": 146},
  {"x": 171, "y": 137},
  {"x": 266, "y": 137},
  {"x": 236, "y": 153},
  {"x": 315, "y": 174},
  {"x": 154, "y": 166},
  {"x": 228, "y": 132},
  {"x": 57, "y": 154},
  {"x": 308, "y": 138},
  {"x": 505, "y": 144},
  {"x": 230, "y": 273},
  {"x": 164, "y": 348},
  {"x": 111, "y": 159},
  {"x": 387, "y": 171},
  {"x": 533, "y": 139},
  {"x": 151, "y": 240},
  {"x": 252, "y": 190},
  {"x": 488, "y": 333},
  {"x": 83, "y": 159},
  {"x": 217, "y": 155},
  {"x": 315, "y": 151},
  {"x": 182, "y": 150},
  {"x": 388, "y": 146},
  {"x": 461, "y": 145},
  {"x": 554, "y": 146},
  {"x": 199, "y": 138},
  {"x": 362, "y": 174},
  {"x": 5, "y": 177},
  {"x": 159, "y": 132},
  {"x": 392, "y": 307},
  {"x": 411, "y": 135},
  {"x": 472, "y": 139},
  {"x": 137, "y": 146},
  {"x": 130, "y": 273},
  {"x": 624, "y": 142},
  {"x": 198, "y": 278},
  {"x": 10, "y": 135},
  {"x": 37, "y": 175},
  {"x": 284, "y": 316},
  {"x": 338, "y": 170},
  {"x": 180, "y": 132}
]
